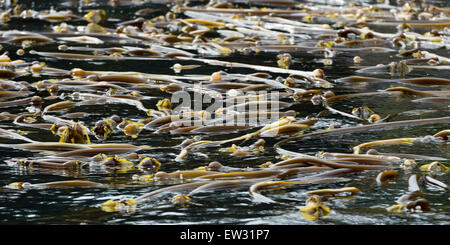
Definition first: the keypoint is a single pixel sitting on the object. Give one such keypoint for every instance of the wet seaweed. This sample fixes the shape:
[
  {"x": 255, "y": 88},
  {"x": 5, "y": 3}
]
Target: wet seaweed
[{"x": 209, "y": 104}]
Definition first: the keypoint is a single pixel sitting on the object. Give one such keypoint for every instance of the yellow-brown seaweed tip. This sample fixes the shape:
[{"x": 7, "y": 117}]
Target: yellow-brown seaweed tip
[
  {"x": 16, "y": 185},
  {"x": 314, "y": 209},
  {"x": 121, "y": 205},
  {"x": 181, "y": 199}
]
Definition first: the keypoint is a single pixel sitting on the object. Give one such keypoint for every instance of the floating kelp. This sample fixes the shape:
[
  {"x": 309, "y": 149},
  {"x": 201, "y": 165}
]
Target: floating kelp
[
  {"x": 75, "y": 134},
  {"x": 50, "y": 163},
  {"x": 244, "y": 175},
  {"x": 387, "y": 175},
  {"x": 437, "y": 183},
  {"x": 56, "y": 184},
  {"x": 82, "y": 39},
  {"x": 126, "y": 204},
  {"x": 435, "y": 167},
  {"x": 308, "y": 161},
  {"x": 333, "y": 192},
  {"x": 277, "y": 185},
  {"x": 425, "y": 81},
  {"x": 188, "y": 84},
  {"x": 25, "y": 39},
  {"x": 312, "y": 75},
  {"x": 365, "y": 127},
  {"x": 411, "y": 205},
  {"x": 412, "y": 201},
  {"x": 68, "y": 149},
  {"x": 357, "y": 149},
  {"x": 314, "y": 209}
]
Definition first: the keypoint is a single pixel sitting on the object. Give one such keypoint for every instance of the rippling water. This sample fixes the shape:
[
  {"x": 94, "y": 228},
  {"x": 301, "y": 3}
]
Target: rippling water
[{"x": 82, "y": 205}]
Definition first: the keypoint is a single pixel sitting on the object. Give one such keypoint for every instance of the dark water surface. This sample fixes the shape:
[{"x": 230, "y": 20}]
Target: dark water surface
[{"x": 82, "y": 205}]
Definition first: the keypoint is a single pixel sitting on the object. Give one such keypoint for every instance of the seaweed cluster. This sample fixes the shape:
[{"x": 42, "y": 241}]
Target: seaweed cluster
[{"x": 70, "y": 99}]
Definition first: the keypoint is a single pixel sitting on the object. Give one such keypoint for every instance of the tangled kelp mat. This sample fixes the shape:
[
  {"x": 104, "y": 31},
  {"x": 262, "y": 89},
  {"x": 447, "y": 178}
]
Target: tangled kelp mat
[{"x": 232, "y": 112}]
